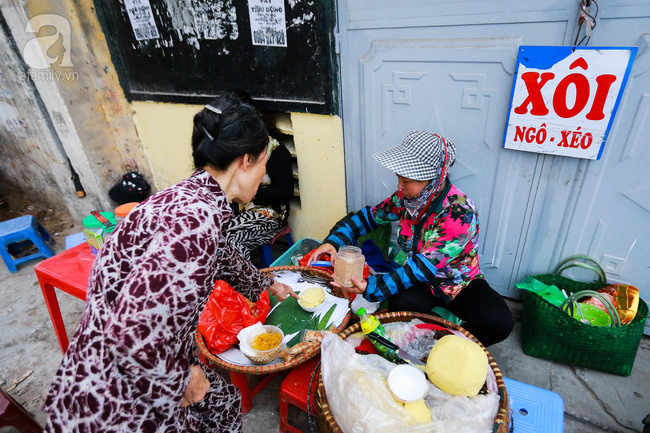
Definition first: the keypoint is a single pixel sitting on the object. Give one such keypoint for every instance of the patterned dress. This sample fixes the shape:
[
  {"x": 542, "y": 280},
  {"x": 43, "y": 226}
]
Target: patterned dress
[
  {"x": 441, "y": 247},
  {"x": 128, "y": 365}
]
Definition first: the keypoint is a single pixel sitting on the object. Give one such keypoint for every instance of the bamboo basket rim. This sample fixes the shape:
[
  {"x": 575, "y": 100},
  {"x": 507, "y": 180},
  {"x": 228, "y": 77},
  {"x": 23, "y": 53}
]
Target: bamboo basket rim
[
  {"x": 502, "y": 419},
  {"x": 266, "y": 369}
]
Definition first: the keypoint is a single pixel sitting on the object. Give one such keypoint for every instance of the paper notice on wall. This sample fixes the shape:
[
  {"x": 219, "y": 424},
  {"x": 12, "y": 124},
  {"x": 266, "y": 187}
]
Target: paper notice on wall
[
  {"x": 268, "y": 24},
  {"x": 141, "y": 17}
]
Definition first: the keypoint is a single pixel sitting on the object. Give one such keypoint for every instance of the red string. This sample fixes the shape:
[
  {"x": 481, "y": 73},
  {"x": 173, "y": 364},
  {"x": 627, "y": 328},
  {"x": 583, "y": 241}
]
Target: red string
[{"x": 438, "y": 184}]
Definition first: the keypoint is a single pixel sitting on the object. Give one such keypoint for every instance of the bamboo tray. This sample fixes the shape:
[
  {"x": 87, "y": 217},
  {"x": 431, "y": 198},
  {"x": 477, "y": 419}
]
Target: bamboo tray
[{"x": 272, "y": 368}]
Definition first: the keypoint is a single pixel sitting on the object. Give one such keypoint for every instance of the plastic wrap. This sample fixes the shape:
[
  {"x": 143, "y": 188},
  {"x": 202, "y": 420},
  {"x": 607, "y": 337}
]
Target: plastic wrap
[
  {"x": 415, "y": 337},
  {"x": 361, "y": 401}
]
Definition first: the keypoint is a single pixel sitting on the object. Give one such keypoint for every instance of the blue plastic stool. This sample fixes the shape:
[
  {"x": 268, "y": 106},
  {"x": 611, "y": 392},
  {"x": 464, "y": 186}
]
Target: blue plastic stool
[
  {"x": 16, "y": 233},
  {"x": 266, "y": 252},
  {"x": 534, "y": 410}
]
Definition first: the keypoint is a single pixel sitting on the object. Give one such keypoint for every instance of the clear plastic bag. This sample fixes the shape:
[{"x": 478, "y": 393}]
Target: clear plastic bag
[
  {"x": 357, "y": 392},
  {"x": 361, "y": 302},
  {"x": 361, "y": 401}
]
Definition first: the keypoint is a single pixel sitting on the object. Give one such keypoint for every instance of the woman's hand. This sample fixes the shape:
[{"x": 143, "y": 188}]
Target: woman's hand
[
  {"x": 359, "y": 286},
  {"x": 325, "y": 248},
  {"x": 282, "y": 291},
  {"x": 197, "y": 388}
]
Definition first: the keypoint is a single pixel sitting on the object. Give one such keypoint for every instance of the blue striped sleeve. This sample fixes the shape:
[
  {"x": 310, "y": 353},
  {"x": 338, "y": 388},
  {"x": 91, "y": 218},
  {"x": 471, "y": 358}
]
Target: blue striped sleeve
[
  {"x": 416, "y": 270},
  {"x": 348, "y": 230}
]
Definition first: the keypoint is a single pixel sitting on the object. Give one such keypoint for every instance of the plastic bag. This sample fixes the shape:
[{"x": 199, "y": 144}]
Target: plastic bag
[
  {"x": 361, "y": 401},
  {"x": 357, "y": 395},
  {"x": 415, "y": 338},
  {"x": 361, "y": 302},
  {"x": 550, "y": 293},
  {"x": 228, "y": 312},
  {"x": 624, "y": 297}
]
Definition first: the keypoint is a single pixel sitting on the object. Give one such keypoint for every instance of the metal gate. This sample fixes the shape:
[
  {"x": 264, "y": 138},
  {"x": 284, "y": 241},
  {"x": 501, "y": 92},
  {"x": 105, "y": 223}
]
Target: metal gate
[{"x": 447, "y": 67}]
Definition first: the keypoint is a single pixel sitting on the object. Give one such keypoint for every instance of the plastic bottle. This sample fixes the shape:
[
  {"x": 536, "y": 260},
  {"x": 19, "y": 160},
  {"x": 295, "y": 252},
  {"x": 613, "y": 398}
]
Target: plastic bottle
[{"x": 370, "y": 323}]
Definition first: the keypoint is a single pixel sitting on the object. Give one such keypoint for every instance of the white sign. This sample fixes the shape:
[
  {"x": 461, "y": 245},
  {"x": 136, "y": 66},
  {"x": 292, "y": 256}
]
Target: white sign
[
  {"x": 268, "y": 24},
  {"x": 141, "y": 17},
  {"x": 564, "y": 99}
]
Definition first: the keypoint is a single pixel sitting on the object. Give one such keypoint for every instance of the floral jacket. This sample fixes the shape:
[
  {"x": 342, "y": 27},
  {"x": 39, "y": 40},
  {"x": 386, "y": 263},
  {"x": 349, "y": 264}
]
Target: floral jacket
[{"x": 442, "y": 252}]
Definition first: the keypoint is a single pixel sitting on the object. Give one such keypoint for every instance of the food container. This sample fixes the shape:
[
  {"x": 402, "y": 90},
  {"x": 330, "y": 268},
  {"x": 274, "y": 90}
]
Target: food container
[
  {"x": 348, "y": 264},
  {"x": 311, "y": 298},
  {"x": 123, "y": 210},
  {"x": 246, "y": 337},
  {"x": 407, "y": 383},
  {"x": 94, "y": 230}
]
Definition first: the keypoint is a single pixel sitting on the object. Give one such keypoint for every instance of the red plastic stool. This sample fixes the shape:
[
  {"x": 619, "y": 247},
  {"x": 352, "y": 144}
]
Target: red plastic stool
[
  {"x": 240, "y": 380},
  {"x": 12, "y": 414},
  {"x": 67, "y": 271},
  {"x": 294, "y": 390}
]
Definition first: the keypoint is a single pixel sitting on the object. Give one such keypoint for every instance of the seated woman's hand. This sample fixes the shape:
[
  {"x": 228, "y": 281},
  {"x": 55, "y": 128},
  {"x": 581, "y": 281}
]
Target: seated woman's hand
[
  {"x": 359, "y": 286},
  {"x": 323, "y": 249},
  {"x": 282, "y": 291},
  {"x": 197, "y": 388}
]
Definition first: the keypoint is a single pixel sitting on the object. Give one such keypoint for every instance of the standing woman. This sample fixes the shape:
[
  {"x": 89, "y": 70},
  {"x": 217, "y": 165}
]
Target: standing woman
[
  {"x": 438, "y": 231},
  {"x": 129, "y": 367}
]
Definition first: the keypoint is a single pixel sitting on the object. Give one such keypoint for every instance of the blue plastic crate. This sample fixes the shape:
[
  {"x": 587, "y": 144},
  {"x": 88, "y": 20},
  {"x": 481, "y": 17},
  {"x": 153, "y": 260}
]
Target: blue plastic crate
[
  {"x": 285, "y": 259},
  {"x": 534, "y": 410},
  {"x": 74, "y": 240}
]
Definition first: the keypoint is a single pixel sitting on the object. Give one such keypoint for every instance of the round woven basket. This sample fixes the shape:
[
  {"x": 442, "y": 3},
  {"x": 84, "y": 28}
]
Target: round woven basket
[
  {"x": 265, "y": 369},
  {"x": 326, "y": 420}
]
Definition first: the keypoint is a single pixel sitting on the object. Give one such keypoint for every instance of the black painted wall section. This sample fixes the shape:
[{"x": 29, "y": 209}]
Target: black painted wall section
[{"x": 206, "y": 46}]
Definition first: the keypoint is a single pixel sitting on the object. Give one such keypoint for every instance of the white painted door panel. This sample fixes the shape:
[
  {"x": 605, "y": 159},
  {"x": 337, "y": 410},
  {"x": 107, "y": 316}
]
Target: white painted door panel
[
  {"x": 396, "y": 79},
  {"x": 446, "y": 67}
]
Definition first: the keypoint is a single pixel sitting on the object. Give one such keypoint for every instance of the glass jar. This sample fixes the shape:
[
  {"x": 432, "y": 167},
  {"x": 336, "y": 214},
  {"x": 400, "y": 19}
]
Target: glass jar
[
  {"x": 123, "y": 210},
  {"x": 349, "y": 263},
  {"x": 94, "y": 230}
]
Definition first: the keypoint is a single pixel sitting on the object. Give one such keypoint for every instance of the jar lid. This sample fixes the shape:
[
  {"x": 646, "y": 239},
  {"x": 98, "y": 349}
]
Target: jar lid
[
  {"x": 91, "y": 222},
  {"x": 350, "y": 251},
  {"x": 123, "y": 210}
]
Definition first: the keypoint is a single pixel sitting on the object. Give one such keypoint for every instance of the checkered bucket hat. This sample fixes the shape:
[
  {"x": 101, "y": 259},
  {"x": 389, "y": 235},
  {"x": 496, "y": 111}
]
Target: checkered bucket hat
[{"x": 421, "y": 156}]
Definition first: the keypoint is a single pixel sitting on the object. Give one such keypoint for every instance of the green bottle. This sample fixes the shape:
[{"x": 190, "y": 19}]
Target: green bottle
[{"x": 370, "y": 323}]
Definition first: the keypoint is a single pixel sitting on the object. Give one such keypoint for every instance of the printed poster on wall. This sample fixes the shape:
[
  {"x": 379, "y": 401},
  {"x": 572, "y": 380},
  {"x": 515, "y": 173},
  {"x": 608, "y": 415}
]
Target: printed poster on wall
[
  {"x": 141, "y": 17},
  {"x": 268, "y": 23},
  {"x": 564, "y": 99}
]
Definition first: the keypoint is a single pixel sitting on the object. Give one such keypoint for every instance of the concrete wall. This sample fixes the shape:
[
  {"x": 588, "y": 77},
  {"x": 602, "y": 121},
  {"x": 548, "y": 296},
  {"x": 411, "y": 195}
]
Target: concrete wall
[
  {"x": 28, "y": 150},
  {"x": 83, "y": 103},
  {"x": 91, "y": 123}
]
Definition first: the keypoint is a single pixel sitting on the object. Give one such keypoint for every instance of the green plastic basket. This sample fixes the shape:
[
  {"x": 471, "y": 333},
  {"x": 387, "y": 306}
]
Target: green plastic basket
[{"x": 549, "y": 333}]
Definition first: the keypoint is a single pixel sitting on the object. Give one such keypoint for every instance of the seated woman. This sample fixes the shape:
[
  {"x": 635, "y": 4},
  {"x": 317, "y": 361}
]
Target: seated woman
[
  {"x": 258, "y": 221},
  {"x": 439, "y": 232},
  {"x": 130, "y": 366}
]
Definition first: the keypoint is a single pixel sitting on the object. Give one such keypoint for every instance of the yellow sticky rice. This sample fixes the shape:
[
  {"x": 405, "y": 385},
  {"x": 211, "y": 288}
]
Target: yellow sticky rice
[
  {"x": 266, "y": 341},
  {"x": 312, "y": 297}
]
